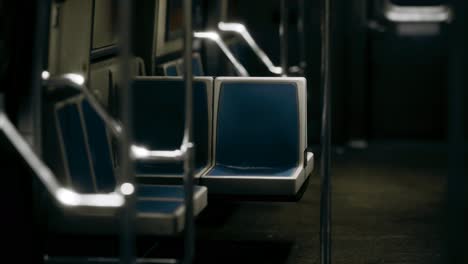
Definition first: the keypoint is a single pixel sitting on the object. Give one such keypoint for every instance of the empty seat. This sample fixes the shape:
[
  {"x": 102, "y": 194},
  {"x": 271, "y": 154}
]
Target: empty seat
[
  {"x": 259, "y": 137},
  {"x": 87, "y": 154},
  {"x": 104, "y": 78},
  {"x": 175, "y": 67},
  {"x": 171, "y": 68},
  {"x": 158, "y": 120}
]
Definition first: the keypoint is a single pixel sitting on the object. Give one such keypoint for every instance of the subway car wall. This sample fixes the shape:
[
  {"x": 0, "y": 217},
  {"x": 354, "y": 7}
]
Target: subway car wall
[
  {"x": 391, "y": 86},
  {"x": 386, "y": 86}
]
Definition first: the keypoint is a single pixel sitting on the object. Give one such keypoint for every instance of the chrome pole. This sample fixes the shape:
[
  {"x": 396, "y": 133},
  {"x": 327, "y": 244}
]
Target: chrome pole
[
  {"x": 302, "y": 36},
  {"x": 456, "y": 131},
  {"x": 284, "y": 36},
  {"x": 189, "y": 235},
  {"x": 127, "y": 239},
  {"x": 325, "y": 162},
  {"x": 39, "y": 49}
]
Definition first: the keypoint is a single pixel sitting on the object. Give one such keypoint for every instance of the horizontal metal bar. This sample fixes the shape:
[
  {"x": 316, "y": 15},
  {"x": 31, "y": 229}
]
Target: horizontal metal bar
[
  {"x": 104, "y": 52},
  {"x": 214, "y": 36},
  {"x": 245, "y": 34},
  {"x": 422, "y": 14},
  {"x": 141, "y": 153},
  {"x": 65, "y": 196},
  {"x": 77, "y": 82}
]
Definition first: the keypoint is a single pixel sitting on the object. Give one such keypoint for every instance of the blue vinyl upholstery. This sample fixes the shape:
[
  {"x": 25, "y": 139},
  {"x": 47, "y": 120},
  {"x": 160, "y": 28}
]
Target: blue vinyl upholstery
[
  {"x": 74, "y": 146},
  {"x": 222, "y": 170},
  {"x": 80, "y": 126},
  {"x": 257, "y": 130},
  {"x": 172, "y": 70},
  {"x": 175, "y": 68},
  {"x": 197, "y": 69},
  {"x": 161, "y": 191},
  {"x": 99, "y": 149},
  {"x": 159, "y": 121},
  {"x": 152, "y": 206}
]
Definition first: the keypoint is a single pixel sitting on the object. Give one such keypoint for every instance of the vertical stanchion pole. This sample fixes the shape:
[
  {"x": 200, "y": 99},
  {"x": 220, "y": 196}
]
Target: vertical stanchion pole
[
  {"x": 302, "y": 36},
  {"x": 127, "y": 240},
  {"x": 283, "y": 30},
  {"x": 325, "y": 164},
  {"x": 40, "y": 43},
  {"x": 189, "y": 235},
  {"x": 456, "y": 183}
]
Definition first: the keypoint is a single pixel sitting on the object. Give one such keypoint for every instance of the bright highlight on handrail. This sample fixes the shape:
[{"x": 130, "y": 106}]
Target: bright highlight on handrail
[
  {"x": 242, "y": 30},
  {"x": 77, "y": 82},
  {"x": 214, "y": 36},
  {"x": 142, "y": 153},
  {"x": 64, "y": 196},
  {"x": 396, "y": 13}
]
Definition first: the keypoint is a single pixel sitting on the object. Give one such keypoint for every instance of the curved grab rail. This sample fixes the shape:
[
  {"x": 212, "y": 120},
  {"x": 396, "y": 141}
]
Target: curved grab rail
[
  {"x": 245, "y": 34},
  {"x": 77, "y": 82},
  {"x": 421, "y": 14},
  {"x": 214, "y": 36},
  {"x": 63, "y": 195}
]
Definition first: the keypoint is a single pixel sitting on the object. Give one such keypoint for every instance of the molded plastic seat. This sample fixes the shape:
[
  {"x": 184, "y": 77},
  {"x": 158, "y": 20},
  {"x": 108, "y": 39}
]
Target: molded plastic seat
[
  {"x": 159, "y": 123},
  {"x": 87, "y": 154},
  {"x": 259, "y": 137},
  {"x": 175, "y": 68}
]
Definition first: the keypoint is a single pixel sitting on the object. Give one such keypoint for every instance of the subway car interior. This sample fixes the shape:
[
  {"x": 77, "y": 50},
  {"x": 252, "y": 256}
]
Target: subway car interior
[{"x": 233, "y": 131}]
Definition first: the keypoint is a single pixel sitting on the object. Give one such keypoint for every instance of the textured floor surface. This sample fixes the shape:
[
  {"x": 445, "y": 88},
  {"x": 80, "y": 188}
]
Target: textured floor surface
[{"x": 388, "y": 207}]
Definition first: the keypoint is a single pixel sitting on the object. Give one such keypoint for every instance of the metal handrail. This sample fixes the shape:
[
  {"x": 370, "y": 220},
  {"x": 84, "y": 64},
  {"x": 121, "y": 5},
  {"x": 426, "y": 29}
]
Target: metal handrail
[
  {"x": 216, "y": 38},
  {"x": 245, "y": 34},
  {"x": 65, "y": 196},
  {"x": 419, "y": 14},
  {"x": 284, "y": 37},
  {"x": 325, "y": 136},
  {"x": 187, "y": 142},
  {"x": 77, "y": 82}
]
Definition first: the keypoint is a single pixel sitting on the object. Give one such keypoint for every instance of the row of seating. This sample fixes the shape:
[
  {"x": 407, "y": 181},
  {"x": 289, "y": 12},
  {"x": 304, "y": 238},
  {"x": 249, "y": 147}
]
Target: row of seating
[
  {"x": 86, "y": 149},
  {"x": 175, "y": 67},
  {"x": 250, "y": 133}
]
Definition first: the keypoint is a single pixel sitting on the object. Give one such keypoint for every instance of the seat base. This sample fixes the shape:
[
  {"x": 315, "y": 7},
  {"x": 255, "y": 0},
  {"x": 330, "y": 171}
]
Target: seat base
[
  {"x": 171, "y": 179},
  {"x": 254, "y": 185},
  {"x": 155, "y": 216}
]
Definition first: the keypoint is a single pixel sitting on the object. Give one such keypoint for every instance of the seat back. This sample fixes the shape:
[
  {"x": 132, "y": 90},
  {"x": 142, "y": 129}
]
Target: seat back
[
  {"x": 99, "y": 148},
  {"x": 171, "y": 68},
  {"x": 104, "y": 76},
  {"x": 158, "y": 119},
  {"x": 175, "y": 67},
  {"x": 197, "y": 66},
  {"x": 85, "y": 147},
  {"x": 259, "y": 122}
]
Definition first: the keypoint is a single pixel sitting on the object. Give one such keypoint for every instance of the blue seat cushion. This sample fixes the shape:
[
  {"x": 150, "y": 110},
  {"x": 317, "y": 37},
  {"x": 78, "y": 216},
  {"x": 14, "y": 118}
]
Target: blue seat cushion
[
  {"x": 100, "y": 149},
  {"x": 158, "y": 121},
  {"x": 196, "y": 67},
  {"x": 74, "y": 144},
  {"x": 171, "y": 70},
  {"x": 257, "y": 125},
  {"x": 158, "y": 168},
  {"x": 158, "y": 207},
  {"x": 163, "y": 191},
  {"x": 220, "y": 170}
]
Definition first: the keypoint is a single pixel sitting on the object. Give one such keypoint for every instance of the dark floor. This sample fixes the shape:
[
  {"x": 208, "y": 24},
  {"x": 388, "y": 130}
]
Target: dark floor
[{"x": 388, "y": 207}]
